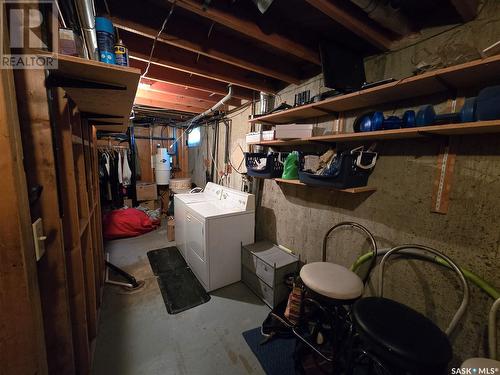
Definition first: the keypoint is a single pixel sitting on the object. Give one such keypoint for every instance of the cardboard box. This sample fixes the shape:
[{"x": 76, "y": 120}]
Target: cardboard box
[
  {"x": 146, "y": 191},
  {"x": 151, "y": 204},
  {"x": 171, "y": 229},
  {"x": 289, "y": 131}
]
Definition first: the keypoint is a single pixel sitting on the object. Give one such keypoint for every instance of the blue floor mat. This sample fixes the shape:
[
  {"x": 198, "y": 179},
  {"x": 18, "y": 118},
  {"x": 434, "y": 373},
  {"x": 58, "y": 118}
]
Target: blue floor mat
[{"x": 276, "y": 356}]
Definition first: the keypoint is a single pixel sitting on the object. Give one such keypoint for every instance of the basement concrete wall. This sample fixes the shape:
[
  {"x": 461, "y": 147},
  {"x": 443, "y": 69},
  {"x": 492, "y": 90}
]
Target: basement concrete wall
[{"x": 399, "y": 211}]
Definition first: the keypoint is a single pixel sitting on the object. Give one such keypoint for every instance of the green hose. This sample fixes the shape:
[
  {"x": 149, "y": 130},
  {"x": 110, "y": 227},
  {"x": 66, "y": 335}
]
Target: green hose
[{"x": 476, "y": 280}]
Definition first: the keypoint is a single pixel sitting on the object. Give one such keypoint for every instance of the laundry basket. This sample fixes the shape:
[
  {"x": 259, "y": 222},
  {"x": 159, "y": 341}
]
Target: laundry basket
[
  {"x": 353, "y": 169},
  {"x": 274, "y": 164}
]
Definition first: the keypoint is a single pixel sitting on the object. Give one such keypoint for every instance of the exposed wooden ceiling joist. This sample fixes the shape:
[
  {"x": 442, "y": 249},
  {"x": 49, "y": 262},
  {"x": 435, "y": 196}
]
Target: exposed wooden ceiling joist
[
  {"x": 177, "y": 58},
  {"x": 193, "y": 39},
  {"x": 196, "y": 104},
  {"x": 467, "y": 9},
  {"x": 184, "y": 79},
  {"x": 166, "y": 105},
  {"x": 362, "y": 29},
  {"x": 188, "y": 92},
  {"x": 250, "y": 29}
]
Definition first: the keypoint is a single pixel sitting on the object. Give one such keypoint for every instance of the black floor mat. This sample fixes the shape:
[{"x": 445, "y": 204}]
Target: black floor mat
[
  {"x": 166, "y": 260},
  {"x": 179, "y": 287}
]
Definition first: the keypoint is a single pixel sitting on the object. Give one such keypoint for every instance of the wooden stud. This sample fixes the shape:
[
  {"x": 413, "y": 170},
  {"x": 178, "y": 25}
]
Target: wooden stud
[
  {"x": 40, "y": 166},
  {"x": 359, "y": 27},
  {"x": 250, "y": 29},
  {"x": 128, "y": 15},
  {"x": 22, "y": 341},
  {"x": 74, "y": 260},
  {"x": 184, "y": 79}
]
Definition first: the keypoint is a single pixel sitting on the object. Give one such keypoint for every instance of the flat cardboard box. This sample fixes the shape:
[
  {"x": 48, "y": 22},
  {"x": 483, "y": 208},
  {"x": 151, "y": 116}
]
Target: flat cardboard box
[
  {"x": 289, "y": 131},
  {"x": 146, "y": 191},
  {"x": 151, "y": 204}
]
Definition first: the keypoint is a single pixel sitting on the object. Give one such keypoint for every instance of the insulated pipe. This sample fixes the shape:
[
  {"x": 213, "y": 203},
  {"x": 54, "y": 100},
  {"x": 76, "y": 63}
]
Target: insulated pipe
[
  {"x": 217, "y": 105},
  {"x": 473, "y": 278},
  {"x": 420, "y": 249},
  {"x": 86, "y": 15},
  {"x": 492, "y": 329},
  {"x": 386, "y": 15}
]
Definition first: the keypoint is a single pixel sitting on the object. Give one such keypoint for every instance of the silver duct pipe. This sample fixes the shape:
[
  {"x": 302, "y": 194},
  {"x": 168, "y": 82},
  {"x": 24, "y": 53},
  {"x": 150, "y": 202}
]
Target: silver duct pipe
[
  {"x": 86, "y": 15},
  {"x": 386, "y": 15}
]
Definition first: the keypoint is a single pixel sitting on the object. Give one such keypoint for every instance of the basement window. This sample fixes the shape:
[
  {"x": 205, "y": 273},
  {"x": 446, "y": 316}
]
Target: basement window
[{"x": 194, "y": 137}]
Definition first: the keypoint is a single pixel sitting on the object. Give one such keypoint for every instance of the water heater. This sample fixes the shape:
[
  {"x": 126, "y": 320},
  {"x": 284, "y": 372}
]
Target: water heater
[{"x": 162, "y": 166}]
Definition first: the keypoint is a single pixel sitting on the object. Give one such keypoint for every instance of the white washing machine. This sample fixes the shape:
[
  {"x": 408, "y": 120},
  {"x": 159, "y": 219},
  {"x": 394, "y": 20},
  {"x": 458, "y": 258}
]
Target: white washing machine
[
  {"x": 211, "y": 192},
  {"x": 212, "y": 234}
]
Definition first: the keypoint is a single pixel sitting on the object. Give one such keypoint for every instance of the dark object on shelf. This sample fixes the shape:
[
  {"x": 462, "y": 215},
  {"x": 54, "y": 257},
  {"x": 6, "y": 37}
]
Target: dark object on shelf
[
  {"x": 373, "y": 121},
  {"x": 302, "y": 98},
  {"x": 326, "y": 95},
  {"x": 281, "y": 107},
  {"x": 273, "y": 168},
  {"x": 488, "y": 104},
  {"x": 179, "y": 287},
  {"x": 351, "y": 169},
  {"x": 427, "y": 115},
  {"x": 368, "y": 85},
  {"x": 343, "y": 69}
]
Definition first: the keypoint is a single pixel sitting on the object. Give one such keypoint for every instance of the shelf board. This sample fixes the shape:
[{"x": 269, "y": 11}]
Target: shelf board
[
  {"x": 355, "y": 190},
  {"x": 472, "y": 74},
  {"x": 479, "y": 127},
  {"x": 107, "y": 102}
]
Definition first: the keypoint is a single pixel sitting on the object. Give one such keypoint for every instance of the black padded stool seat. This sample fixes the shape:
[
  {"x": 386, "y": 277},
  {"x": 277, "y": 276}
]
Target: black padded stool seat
[{"x": 401, "y": 335}]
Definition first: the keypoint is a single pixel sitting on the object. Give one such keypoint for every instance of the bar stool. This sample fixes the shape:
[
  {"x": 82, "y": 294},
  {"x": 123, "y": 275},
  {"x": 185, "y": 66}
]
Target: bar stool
[
  {"x": 334, "y": 281},
  {"x": 400, "y": 339},
  {"x": 492, "y": 344},
  {"x": 330, "y": 289}
]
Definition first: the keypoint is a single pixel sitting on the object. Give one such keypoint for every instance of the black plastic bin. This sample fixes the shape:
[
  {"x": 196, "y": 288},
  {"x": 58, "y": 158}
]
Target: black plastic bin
[
  {"x": 349, "y": 174},
  {"x": 273, "y": 169}
]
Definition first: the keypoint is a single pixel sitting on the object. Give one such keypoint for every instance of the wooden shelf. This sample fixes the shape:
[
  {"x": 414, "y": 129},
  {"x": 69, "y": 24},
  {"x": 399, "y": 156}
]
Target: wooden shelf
[
  {"x": 355, "y": 190},
  {"x": 479, "y": 127},
  {"x": 105, "y": 101},
  {"x": 472, "y": 74}
]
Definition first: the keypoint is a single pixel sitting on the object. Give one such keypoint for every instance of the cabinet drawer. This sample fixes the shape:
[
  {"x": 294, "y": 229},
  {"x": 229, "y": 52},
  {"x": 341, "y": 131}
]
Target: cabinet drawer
[
  {"x": 265, "y": 272},
  {"x": 264, "y": 291}
]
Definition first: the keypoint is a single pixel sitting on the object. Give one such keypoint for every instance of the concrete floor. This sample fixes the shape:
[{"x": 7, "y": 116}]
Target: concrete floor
[{"x": 138, "y": 336}]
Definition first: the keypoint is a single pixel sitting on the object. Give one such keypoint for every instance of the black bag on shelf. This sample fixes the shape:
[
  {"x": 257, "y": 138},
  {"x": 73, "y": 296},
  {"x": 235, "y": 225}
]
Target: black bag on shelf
[{"x": 349, "y": 169}]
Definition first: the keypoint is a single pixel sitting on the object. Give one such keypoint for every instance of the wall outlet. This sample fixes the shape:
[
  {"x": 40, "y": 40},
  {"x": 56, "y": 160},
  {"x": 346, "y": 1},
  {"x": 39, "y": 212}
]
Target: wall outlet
[{"x": 39, "y": 238}]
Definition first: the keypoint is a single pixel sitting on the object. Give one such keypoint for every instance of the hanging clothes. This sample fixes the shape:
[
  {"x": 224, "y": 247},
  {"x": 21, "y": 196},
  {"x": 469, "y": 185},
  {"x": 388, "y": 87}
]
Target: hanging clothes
[
  {"x": 120, "y": 168},
  {"x": 127, "y": 173}
]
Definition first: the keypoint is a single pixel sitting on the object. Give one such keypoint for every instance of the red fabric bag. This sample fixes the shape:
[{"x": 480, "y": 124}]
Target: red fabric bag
[{"x": 128, "y": 222}]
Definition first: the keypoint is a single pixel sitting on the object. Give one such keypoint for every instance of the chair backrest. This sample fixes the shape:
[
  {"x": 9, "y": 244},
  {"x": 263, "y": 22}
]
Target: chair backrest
[
  {"x": 492, "y": 329},
  {"x": 423, "y": 250},
  {"x": 369, "y": 236}
]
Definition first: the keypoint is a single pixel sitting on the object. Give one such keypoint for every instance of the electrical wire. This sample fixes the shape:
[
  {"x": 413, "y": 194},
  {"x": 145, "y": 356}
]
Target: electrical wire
[{"x": 162, "y": 29}]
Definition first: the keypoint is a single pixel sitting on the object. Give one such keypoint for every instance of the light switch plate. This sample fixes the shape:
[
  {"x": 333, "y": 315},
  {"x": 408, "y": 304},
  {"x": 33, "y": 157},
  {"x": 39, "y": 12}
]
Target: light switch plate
[{"x": 39, "y": 238}]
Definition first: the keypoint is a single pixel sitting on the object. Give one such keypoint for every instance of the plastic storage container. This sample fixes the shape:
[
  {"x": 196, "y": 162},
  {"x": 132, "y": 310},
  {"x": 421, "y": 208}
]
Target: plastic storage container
[
  {"x": 254, "y": 137},
  {"x": 274, "y": 164},
  {"x": 353, "y": 171}
]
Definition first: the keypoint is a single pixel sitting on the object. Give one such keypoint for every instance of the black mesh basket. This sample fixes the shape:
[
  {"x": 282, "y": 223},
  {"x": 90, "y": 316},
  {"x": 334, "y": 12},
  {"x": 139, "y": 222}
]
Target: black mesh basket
[
  {"x": 273, "y": 168},
  {"x": 353, "y": 169}
]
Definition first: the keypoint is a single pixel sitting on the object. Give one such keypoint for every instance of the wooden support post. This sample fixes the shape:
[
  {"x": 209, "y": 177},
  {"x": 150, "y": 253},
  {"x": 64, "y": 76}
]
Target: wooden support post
[
  {"x": 40, "y": 166},
  {"x": 22, "y": 343}
]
